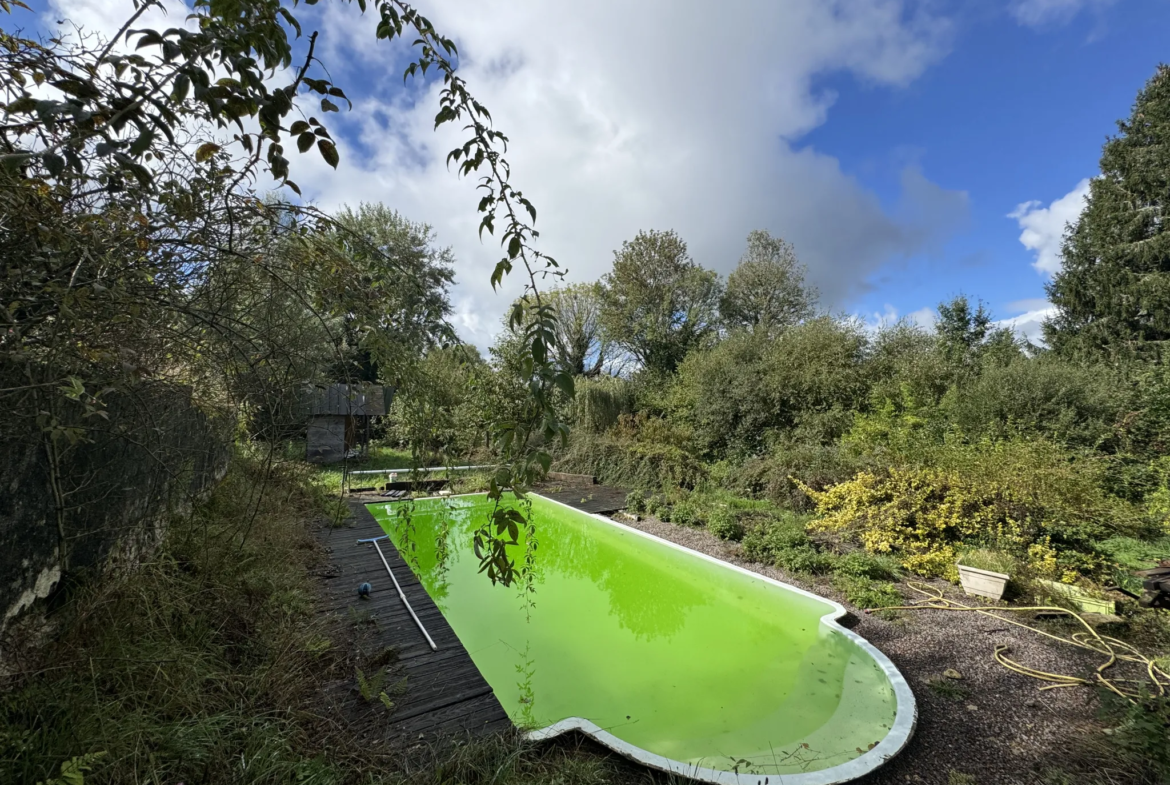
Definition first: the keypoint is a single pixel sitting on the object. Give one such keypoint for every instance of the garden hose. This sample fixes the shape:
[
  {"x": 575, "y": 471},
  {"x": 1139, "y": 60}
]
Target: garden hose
[{"x": 1113, "y": 649}]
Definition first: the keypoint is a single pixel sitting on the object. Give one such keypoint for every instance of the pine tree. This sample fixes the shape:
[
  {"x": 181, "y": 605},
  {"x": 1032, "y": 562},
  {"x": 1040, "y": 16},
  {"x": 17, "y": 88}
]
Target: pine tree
[{"x": 1112, "y": 293}]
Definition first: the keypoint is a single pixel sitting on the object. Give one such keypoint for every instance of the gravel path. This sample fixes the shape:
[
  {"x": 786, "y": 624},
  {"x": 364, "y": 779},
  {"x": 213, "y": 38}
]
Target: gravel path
[{"x": 1002, "y": 731}]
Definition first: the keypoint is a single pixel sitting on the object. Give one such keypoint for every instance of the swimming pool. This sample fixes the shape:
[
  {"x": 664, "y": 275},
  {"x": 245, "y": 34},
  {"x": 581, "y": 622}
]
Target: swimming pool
[{"x": 673, "y": 658}]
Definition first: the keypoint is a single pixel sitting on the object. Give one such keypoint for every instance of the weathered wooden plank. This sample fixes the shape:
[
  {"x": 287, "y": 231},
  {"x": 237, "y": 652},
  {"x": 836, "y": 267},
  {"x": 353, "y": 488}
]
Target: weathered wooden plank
[
  {"x": 600, "y": 499},
  {"x": 578, "y": 479},
  {"x": 444, "y": 694},
  {"x": 465, "y": 715}
]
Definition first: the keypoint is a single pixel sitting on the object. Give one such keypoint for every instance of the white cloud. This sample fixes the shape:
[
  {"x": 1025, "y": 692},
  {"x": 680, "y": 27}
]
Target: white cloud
[
  {"x": 1028, "y": 324},
  {"x": 923, "y": 317},
  {"x": 105, "y": 18},
  {"x": 647, "y": 116},
  {"x": 1046, "y": 13},
  {"x": 1028, "y": 304},
  {"x": 1043, "y": 227},
  {"x": 889, "y": 316},
  {"x": 628, "y": 116}
]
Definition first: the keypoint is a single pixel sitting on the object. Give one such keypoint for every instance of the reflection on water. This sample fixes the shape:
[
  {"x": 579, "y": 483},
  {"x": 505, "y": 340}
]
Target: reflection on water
[
  {"x": 431, "y": 538},
  {"x": 670, "y": 652}
]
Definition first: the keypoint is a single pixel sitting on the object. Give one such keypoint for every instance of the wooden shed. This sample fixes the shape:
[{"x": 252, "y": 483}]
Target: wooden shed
[{"x": 339, "y": 419}]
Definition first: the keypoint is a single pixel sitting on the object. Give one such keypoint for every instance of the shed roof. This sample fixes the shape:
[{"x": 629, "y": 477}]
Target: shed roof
[{"x": 351, "y": 399}]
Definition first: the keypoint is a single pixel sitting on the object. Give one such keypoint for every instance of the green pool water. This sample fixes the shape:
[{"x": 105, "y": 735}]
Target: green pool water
[{"x": 658, "y": 648}]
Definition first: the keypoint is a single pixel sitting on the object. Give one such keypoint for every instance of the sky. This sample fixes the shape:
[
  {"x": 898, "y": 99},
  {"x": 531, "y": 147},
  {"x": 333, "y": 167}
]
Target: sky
[{"x": 910, "y": 151}]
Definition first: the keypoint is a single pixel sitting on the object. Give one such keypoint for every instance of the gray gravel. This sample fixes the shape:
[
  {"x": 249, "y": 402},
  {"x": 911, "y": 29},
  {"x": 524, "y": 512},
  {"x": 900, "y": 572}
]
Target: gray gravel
[{"x": 1004, "y": 731}]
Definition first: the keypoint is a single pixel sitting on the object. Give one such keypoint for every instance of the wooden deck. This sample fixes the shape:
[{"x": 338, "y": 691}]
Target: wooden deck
[
  {"x": 600, "y": 499},
  {"x": 444, "y": 694}
]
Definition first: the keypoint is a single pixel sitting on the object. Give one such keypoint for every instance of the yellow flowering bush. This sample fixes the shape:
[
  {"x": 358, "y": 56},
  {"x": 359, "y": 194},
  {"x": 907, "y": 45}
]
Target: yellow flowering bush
[
  {"x": 919, "y": 514},
  {"x": 1035, "y": 508}
]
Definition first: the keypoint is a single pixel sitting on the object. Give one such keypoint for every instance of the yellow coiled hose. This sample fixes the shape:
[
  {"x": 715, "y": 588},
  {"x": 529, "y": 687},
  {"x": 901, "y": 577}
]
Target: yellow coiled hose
[{"x": 1113, "y": 649}]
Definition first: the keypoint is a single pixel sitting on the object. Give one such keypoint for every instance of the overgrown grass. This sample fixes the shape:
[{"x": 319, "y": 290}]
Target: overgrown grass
[
  {"x": 1131, "y": 554},
  {"x": 199, "y": 666},
  {"x": 1133, "y": 748},
  {"x": 507, "y": 760},
  {"x": 329, "y": 476}
]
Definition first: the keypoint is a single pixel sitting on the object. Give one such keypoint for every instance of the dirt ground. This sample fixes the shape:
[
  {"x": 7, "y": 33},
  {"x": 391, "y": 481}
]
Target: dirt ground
[{"x": 992, "y": 725}]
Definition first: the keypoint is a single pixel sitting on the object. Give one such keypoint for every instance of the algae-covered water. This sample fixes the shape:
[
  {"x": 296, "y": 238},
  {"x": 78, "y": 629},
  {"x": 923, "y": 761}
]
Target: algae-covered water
[{"x": 673, "y": 653}]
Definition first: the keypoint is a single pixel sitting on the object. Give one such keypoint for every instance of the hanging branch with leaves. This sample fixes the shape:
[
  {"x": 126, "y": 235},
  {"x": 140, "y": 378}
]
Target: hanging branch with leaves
[{"x": 96, "y": 121}]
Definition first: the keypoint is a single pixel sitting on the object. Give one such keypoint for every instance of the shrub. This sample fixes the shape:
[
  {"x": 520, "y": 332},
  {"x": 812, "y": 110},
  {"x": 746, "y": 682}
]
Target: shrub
[
  {"x": 775, "y": 476},
  {"x": 636, "y": 502},
  {"x": 1158, "y": 500},
  {"x": 1027, "y": 498},
  {"x": 860, "y": 564},
  {"x": 657, "y": 505},
  {"x": 865, "y": 593},
  {"x": 732, "y": 395},
  {"x": 615, "y": 458},
  {"x": 1066, "y": 402},
  {"x": 687, "y": 513},
  {"x": 906, "y": 363},
  {"x": 763, "y": 541},
  {"x": 725, "y": 525},
  {"x": 803, "y": 559}
]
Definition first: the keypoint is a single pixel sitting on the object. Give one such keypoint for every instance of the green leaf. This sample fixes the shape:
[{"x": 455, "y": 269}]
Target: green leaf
[
  {"x": 54, "y": 163},
  {"x": 288, "y": 17},
  {"x": 182, "y": 85},
  {"x": 205, "y": 151},
  {"x": 23, "y": 104},
  {"x": 328, "y": 106},
  {"x": 299, "y": 127},
  {"x": 305, "y": 141},
  {"x": 328, "y": 152},
  {"x": 565, "y": 382},
  {"x": 142, "y": 143}
]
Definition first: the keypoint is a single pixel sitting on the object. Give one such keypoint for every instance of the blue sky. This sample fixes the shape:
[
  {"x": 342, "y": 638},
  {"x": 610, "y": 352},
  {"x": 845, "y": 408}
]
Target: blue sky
[
  {"x": 1012, "y": 113},
  {"x": 892, "y": 141}
]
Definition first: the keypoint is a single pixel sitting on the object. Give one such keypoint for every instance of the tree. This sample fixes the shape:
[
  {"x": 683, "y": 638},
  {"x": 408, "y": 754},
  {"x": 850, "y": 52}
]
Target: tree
[
  {"x": 580, "y": 347},
  {"x": 1112, "y": 293},
  {"x": 436, "y": 413},
  {"x": 398, "y": 302},
  {"x": 767, "y": 289},
  {"x": 657, "y": 303},
  {"x": 750, "y": 387},
  {"x": 967, "y": 337}
]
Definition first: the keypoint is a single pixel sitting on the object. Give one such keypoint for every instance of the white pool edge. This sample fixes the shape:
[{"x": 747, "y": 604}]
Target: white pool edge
[{"x": 905, "y": 719}]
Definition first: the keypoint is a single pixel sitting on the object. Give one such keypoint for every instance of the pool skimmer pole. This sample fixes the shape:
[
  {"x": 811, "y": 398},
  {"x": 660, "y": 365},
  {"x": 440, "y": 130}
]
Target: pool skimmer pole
[{"x": 401, "y": 594}]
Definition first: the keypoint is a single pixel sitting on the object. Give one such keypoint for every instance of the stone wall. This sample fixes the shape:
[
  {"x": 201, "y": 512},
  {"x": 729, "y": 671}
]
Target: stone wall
[{"x": 113, "y": 492}]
